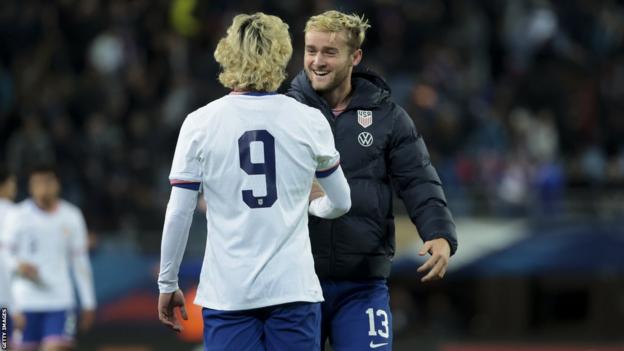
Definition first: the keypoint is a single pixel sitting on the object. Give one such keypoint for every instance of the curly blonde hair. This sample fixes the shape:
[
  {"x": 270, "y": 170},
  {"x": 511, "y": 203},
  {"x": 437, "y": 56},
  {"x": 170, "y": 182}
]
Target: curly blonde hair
[
  {"x": 354, "y": 26},
  {"x": 254, "y": 53}
]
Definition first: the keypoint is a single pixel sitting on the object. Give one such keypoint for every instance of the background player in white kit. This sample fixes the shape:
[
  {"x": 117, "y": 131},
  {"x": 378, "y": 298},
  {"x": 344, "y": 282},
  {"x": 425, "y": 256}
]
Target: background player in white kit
[
  {"x": 254, "y": 154},
  {"x": 8, "y": 190},
  {"x": 47, "y": 238}
]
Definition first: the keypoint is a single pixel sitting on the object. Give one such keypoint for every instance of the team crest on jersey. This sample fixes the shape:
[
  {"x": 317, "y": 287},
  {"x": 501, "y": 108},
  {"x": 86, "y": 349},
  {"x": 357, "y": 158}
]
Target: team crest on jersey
[
  {"x": 365, "y": 139},
  {"x": 365, "y": 118}
]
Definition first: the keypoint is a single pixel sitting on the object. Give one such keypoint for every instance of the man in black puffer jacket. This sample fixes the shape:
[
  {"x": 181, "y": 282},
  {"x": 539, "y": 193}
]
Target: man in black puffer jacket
[{"x": 380, "y": 150}]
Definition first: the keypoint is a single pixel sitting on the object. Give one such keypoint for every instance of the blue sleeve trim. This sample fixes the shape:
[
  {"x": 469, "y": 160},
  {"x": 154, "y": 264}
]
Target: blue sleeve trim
[
  {"x": 185, "y": 185},
  {"x": 327, "y": 172}
]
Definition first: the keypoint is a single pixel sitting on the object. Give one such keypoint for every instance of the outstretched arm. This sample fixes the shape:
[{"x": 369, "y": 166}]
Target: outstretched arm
[{"x": 418, "y": 185}]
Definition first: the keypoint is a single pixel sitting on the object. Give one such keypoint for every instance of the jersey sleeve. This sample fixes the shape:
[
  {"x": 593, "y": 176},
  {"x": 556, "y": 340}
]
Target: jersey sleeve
[
  {"x": 178, "y": 219},
  {"x": 11, "y": 240},
  {"x": 327, "y": 157},
  {"x": 81, "y": 263},
  {"x": 337, "y": 199},
  {"x": 186, "y": 165}
]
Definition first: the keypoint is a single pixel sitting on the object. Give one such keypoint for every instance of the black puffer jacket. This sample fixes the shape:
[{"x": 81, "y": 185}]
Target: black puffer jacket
[{"x": 361, "y": 244}]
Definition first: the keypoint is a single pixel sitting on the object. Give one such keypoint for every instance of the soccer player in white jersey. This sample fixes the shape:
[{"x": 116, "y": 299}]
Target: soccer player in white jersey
[
  {"x": 253, "y": 154},
  {"x": 8, "y": 190},
  {"x": 47, "y": 239}
]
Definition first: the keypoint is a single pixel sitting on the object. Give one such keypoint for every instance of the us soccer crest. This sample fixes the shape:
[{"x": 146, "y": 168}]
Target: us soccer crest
[{"x": 365, "y": 118}]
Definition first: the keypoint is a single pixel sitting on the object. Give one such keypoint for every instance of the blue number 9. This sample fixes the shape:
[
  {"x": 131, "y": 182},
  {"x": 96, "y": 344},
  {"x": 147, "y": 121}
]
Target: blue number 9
[{"x": 267, "y": 167}]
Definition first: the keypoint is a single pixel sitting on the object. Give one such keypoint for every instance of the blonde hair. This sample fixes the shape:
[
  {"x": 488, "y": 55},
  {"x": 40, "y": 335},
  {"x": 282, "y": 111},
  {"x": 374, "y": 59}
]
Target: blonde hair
[
  {"x": 254, "y": 53},
  {"x": 353, "y": 26}
]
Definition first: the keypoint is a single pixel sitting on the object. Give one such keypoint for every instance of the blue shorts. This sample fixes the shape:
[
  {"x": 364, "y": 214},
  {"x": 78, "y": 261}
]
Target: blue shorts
[
  {"x": 56, "y": 327},
  {"x": 356, "y": 315},
  {"x": 293, "y": 326}
]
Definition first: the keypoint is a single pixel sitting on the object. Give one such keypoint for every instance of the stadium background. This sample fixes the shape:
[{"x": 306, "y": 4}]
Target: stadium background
[{"x": 520, "y": 103}]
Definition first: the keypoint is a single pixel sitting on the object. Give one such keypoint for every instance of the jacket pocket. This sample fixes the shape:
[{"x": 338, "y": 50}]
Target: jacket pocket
[{"x": 365, "y": 199}]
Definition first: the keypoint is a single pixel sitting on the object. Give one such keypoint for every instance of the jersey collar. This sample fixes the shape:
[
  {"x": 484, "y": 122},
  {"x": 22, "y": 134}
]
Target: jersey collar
[{"x": 252, "y": 93}]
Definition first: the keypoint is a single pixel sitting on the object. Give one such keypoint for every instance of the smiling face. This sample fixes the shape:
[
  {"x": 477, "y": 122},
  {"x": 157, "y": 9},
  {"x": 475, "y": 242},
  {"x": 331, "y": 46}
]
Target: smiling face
[{"x": 328, "y": 60}]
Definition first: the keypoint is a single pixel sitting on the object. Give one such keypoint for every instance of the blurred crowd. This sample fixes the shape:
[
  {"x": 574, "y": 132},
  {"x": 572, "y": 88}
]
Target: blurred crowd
[{"x": 518, "y": 100}]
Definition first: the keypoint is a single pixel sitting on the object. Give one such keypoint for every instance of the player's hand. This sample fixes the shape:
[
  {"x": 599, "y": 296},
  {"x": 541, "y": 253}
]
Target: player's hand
[
  {"x": 167, "y": 304},
  {"x": 19, "y": 320},
  {"x": 436, "y": 265},
  {"x": 87, "y": 318},
  {"x": 316, "y": 191},
  {"x": 28, "y": 271}
]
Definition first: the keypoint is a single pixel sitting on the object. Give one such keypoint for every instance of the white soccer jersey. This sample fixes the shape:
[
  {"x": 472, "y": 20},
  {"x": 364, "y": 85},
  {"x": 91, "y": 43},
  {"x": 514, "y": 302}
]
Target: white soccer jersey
[
  {"x": 54, "y": 242},
  {"x": 5, "y": 207},
  {"x": 255, "y": 156}
]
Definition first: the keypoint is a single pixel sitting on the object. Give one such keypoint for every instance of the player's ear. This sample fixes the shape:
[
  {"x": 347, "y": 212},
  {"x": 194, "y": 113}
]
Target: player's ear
[{"x": 357, "y": 57}]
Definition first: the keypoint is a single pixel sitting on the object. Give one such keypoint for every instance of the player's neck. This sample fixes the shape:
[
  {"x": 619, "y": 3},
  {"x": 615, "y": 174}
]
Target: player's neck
[
  {"x": 339, "y": 98},
  {"x": 47, "y": 205}
]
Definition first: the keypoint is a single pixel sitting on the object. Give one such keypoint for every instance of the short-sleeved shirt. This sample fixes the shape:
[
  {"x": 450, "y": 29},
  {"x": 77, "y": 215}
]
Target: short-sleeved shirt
[{"x": 255, "y": 156}]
